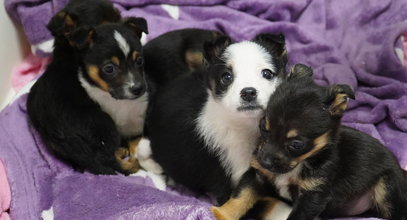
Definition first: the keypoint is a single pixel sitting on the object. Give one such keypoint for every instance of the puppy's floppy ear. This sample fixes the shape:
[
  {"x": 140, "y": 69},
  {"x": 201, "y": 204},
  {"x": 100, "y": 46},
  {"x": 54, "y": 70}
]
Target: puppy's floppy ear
[
  {"x": 138, "y": 25},
  {"x": 81, "y": 37},
  {"x": 62, "y": 24},
  {"x": 214, "y": 49},
  {"x": 338, "y": 96},
  {"x": 274, "y": 43},
  {"x": 299, "y": 71}
]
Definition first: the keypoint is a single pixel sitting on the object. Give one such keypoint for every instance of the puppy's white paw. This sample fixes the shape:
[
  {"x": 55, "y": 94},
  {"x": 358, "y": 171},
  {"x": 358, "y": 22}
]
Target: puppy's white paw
[
  {"x": 151, "y": 166},
  {"x": 144, "y": 156},
  {"x": 144, "y": 149},
  {"x": 280, "y": 211}
]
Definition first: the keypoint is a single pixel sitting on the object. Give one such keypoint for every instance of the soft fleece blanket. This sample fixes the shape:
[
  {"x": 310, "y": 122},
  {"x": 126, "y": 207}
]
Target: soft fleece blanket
[{"x": 353, "y": 42}]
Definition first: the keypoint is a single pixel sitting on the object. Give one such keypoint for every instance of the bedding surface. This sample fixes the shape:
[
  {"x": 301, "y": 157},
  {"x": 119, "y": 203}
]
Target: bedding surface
[{"x": 344, "y": 41}]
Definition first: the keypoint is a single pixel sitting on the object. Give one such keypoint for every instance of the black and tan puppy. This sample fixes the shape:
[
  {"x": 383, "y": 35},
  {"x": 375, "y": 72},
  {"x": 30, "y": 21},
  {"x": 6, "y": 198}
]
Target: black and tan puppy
[
  {"x": 175, "y": 53},
  {"x": 307, "y": 158},
  {"x": 93, "y": 94},
  {"x": 82, "y": 12}
]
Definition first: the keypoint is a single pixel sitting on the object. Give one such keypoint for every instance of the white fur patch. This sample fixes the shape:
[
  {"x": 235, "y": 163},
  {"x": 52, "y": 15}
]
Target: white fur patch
[
  {"x": 282, "y": 181},
  {"x": 48, "y": 214},
  {"x": 144, "y": 156},
  {"x": 247, "y": 60},
  {"x": 229, "y": 134},
  {"x": 124, "y": 46},
  {"x": 158, "y": 180},
  {"x": 128, "y": 115},
  {"x": 280, "y": 211}
]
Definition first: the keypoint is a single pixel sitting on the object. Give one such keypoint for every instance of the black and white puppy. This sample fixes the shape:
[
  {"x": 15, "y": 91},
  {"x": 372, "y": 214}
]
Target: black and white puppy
[
  {"x": 92, "y": 95},
  {"x": 322, "y": 168},
  {"x": 203, "y": 126}
]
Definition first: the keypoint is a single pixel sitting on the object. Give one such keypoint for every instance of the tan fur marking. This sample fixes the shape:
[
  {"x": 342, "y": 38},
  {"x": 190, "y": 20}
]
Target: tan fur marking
[
  {"x": 133, "y": 147},
  {"x": 134, "y": 55},
  {"x": 194, "y": 59},
  {"x": 61, "y": 14},
  {"x": 236, "y": 207},
  {"x": 339, "y": 104},
  {"x": 292, "y": 133},
  {"x": 380, "y": 194},
  {"x": 319, "y": 143},
  {"x": 269, "y": 206},
  {"x": 127, "y": 163},
  {"x": 284, "y": 53},
  {"x": 267, "y": 124},
  {"x": 116, "y": 60},
  {"x": 293, "y": 164},
  {"x": 264, "y": 172},
  {"x": 69, "y": 21},
  {"x": 310, "y": 183},
  {"x": 93, "y": 72}
]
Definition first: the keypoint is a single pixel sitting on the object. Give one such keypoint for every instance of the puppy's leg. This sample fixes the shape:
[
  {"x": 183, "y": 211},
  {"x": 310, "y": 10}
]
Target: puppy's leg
[
  {"x": 309, "y": 205},
  {"x": 144, "y": 156},
  {"x": 390, "y": 197},
  {"x": 243, "y": 198},
  {"x": 273, "y": 209}
]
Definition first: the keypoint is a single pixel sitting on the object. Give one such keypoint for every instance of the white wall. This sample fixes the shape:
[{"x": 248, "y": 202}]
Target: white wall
[{"x": 13, "y": 49}]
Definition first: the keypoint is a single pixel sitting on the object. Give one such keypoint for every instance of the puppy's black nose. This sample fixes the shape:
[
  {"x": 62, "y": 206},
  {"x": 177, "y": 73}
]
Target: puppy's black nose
[
  {"x": 137, "y": 89},
  {"x": 248, "y": 94}
]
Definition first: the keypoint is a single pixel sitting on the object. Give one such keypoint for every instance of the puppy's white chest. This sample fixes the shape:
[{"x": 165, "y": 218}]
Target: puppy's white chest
[
  {"x": 128, "y": 115},
  {"x": 283, "y": 182},
  {"x": 232, "y": 139}
]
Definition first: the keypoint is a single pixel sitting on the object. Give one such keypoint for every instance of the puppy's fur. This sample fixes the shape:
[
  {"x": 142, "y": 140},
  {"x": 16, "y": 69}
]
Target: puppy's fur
[
  {"x": 175, "y": 53},
  {"x": 82, "y": 12},
  {"x": 307, "y": 158},
  {"x": 203, "y": 126},
  {"x": 93, "y": 94}
]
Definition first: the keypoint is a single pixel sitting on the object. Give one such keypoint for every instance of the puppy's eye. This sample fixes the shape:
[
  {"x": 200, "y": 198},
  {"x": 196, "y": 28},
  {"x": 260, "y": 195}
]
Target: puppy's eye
[
  {"x": 267, "y": 74},
  {"x": 296, "y": 145},
  {"x": 139, "y": 61},
  {"x": 109, "y": 69},
  {"x": 226, "y": 78}
]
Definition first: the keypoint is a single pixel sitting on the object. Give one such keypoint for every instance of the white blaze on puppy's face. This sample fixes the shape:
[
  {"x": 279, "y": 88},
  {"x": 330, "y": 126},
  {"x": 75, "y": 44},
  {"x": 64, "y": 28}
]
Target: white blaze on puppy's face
[
  {"x": 121, "y": 41},
  {"x": 247, "y": 60}
]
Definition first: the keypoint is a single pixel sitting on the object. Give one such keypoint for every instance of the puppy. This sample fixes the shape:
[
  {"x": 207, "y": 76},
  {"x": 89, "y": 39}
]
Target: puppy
[
  {"x": 92, "y": 95},
  {"x": 82, "y": 12},
  {"x": 175, "y": 53},
  {"x": 203, "y": 126},
  {"x": 307, "y": 158}
]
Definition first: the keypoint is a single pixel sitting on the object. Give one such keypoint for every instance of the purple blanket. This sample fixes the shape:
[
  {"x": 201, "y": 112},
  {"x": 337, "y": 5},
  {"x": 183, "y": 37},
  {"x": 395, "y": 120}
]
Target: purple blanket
[{"x": 351, "y": 42}]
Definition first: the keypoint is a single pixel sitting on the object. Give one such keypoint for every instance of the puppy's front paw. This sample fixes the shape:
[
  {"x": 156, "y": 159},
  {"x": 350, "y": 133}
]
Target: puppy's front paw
[
  {"x": 144, "y": 155},
  {"x": 220, "y": 214}
]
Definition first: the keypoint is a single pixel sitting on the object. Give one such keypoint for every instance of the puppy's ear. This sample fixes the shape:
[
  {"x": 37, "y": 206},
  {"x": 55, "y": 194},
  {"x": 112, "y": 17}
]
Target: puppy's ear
[
  {"x": 338, "y": 97},
  {"x": 214, "y": 49},
  {"x": 62, "y": 24},
  {"x": 299, "y": 71},
  {"x": 138, "y": 25},
  {"x": 81, "y": 37},
  {"x": 275, "y": 43}
]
